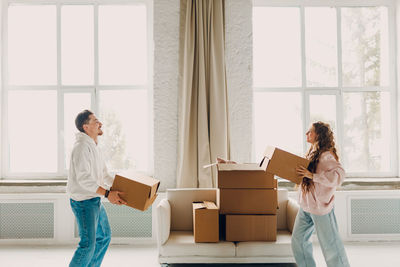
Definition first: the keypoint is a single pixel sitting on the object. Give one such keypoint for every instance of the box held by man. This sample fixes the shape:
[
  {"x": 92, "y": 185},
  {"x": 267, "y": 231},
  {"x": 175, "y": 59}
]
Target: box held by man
[{"x": 139, "y": 190}]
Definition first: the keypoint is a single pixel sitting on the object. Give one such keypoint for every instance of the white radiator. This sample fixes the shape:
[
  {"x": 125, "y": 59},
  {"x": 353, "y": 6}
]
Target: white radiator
[
  {"x": 26, "y": 220},
  {"x": 126, "y": 222},
  {"x": 375, "y": 216},
  {"x": 47, "y": 218}
]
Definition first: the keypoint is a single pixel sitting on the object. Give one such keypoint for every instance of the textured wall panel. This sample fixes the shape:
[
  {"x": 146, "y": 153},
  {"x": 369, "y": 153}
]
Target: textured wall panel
[
  {"x": 26, "y": 220},
  {"x": 166, "y": 59},
  {"x": 375, "y": 216},
  {"x": 239, "y": 65},
  {"x": 127, "y": 222}
]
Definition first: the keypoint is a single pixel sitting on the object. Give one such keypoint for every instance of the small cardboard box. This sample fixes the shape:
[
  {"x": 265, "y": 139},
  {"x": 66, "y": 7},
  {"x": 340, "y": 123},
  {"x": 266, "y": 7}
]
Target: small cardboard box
[
  {"x": 248, "y": 201},
  {"x": 248, "y": 175},
  {"x": 139, "y": 190},
  {"x": 283, "y": 164},
  {"x": 205, "y": 222},
  {"x": 251, "y": 227}
]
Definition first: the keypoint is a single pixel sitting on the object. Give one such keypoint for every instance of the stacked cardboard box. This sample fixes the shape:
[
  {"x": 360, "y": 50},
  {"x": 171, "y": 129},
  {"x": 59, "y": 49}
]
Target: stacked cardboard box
[{"x": 248, "y": 200}]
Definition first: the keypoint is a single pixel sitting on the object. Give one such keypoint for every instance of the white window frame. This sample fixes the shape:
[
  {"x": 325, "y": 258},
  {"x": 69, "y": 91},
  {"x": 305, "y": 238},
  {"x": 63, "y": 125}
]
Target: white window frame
[
  {"x": 306, "y": 91},
  {"x": 94, "y": 89}
]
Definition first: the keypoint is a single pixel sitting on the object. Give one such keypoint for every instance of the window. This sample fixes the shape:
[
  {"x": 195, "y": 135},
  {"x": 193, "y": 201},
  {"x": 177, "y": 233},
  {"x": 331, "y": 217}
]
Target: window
[
  {"x": 61, "y": 58},
  {"x": 331, "y": 62}
]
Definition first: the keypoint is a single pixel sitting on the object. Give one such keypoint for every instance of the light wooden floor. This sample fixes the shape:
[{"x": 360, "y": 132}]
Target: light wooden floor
[{"x": 372, "y": 254}]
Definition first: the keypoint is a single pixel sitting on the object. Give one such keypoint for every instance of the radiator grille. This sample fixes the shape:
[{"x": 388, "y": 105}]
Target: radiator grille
[
  {"x": 375, "y": 216},
  {"x": 127, "y": 222},
  {"x": 26, "y": 220}
]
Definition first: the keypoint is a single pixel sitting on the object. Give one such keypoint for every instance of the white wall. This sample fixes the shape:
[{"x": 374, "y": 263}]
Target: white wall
[{"x": 166, "y": 74}]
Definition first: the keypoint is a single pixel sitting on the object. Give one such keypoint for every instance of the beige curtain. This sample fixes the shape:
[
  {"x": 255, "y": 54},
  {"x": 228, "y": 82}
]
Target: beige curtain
[{"x": 203, "y": 114}]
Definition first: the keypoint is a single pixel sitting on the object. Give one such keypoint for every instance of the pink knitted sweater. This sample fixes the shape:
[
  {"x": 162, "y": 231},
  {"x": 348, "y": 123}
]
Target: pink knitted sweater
[{"x": 329, "y": 175}]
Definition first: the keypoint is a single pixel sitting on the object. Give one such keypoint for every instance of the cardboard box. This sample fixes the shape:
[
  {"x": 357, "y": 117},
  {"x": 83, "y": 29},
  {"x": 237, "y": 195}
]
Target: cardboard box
[
  {"x": 283, "y": 164},
  {"x": 205, "y": 222},
  {"x": 249, "y": 175},
  {"x": 248, "y": 201},
  {"x": 139, "y": 190},
  {"x": 251, "y": 227}
]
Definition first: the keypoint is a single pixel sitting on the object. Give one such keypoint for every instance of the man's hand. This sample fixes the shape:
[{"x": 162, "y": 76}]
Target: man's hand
[{"x": 114, "y": 198}]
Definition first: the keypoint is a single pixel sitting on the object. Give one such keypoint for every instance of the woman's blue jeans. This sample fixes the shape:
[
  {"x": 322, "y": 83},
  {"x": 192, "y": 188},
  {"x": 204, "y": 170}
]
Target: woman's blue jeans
[
  {"x": 328, "y": 237},
  {"x": 94, "y": 231}
]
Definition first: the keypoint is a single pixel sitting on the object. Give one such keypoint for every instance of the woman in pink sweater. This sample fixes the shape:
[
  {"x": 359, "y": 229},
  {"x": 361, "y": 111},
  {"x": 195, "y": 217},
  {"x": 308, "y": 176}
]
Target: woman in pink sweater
[{"x": 316, "y": 197}]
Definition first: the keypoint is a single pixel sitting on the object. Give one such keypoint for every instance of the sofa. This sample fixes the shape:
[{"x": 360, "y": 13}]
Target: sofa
[{"x": 175, "y": 233}]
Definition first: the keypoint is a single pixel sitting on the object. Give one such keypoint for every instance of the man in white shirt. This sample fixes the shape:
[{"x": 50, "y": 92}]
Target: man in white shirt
[{"x": 88, "y": 180}]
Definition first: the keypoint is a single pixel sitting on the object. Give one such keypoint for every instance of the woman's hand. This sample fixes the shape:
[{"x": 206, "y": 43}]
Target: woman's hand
[
  {"x": 303, "y": 172},
  {"x": 221, "y": 160}
]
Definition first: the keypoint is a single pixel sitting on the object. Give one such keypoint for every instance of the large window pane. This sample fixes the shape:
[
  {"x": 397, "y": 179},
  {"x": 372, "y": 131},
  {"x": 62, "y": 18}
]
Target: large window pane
[
  {"x": 73, "y": 104},
  {"x": 323, "y": 108},
  {"x": 278, "y": 122},
  {"x": 366, "y": 146},
  {"x": 321, "y": 46},
  {"x": 77, "y": 45},
  {"x": 124, "y": 114},
  {"x": 32, "y": 128},
  {"x": 122, "y": 45},
  {"x": 276, "y": 47},
  {"x": 365, "y": 46},
  {"x": 32, "y": 45}
]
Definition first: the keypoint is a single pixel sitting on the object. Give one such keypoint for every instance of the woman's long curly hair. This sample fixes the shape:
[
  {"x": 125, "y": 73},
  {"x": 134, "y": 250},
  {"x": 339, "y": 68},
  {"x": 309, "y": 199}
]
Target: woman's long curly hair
[{"x": 325, "y": 142}]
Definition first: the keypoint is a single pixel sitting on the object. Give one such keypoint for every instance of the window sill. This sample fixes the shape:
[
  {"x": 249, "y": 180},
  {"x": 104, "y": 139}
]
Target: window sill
[
  {"x": 357, "y": 184},
  {"x": 59, "y": 186},
  {"x": 32, "y": 186}
]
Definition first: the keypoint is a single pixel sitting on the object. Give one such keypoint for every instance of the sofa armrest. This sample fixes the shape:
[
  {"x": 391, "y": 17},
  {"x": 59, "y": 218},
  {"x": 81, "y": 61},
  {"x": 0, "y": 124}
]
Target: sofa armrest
[
  {"x": 163, "y": 221},
  {"x": 291, "y": 212}
]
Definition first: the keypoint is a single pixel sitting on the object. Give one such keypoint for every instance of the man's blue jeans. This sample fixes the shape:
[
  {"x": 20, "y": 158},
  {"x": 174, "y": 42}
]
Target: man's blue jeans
[
  {"x": 328, "y": 236},
  {"x": 94, "y": 231}
]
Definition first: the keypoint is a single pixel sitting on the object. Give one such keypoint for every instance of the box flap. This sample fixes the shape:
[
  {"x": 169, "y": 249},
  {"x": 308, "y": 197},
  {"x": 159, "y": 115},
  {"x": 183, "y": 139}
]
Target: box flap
[
  {"x": 139, "y": 177},
  {"x": 149, "y": 202},
  {"x": 269, "y": 151},
  {"x": 239, "y": 167},
  {"x": 154, "y": 189},
  {"x": 204, "y": 205},
  {"x": 198, "y": 205},
  {"x": 210, "y": 205}
]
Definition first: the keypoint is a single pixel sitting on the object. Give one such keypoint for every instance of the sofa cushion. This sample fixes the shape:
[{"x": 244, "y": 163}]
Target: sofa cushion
[
  {"x": 281, "y": 212},
  {"x": 292, "y": 210},
  {"x": 181, "y": 243},
  {"x": 280, "y": 248},
  {"x": 164, "y": 221}
]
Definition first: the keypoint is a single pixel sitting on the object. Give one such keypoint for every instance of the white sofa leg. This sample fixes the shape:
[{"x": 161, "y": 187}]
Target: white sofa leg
[{"x": 164, "y": 264}]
